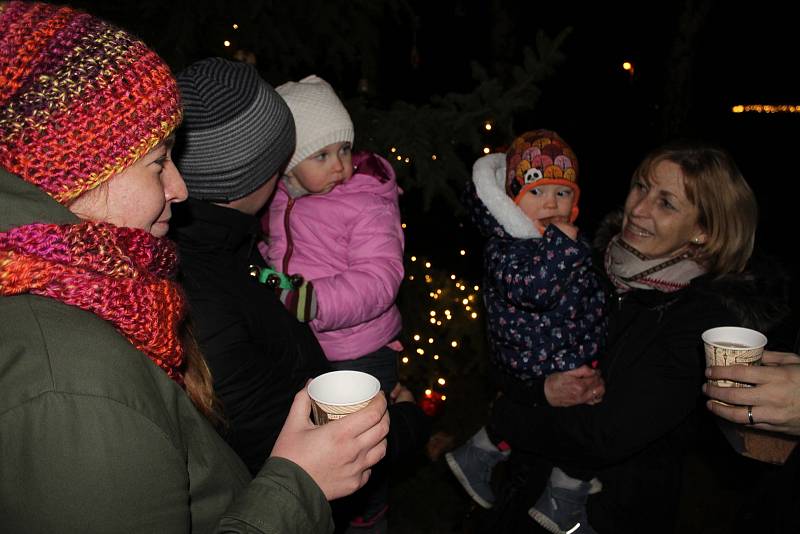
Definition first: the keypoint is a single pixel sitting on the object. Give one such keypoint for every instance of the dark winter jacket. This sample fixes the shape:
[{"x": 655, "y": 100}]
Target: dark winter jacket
[
  {"x": 259, "y": 355},
  {"x": 634, "y": 439},
  {"x": 544, "y": 302},
  {"x": 95, "y": 438}
]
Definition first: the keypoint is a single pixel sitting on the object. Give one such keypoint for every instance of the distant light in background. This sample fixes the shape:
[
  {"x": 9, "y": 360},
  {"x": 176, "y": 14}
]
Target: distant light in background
[
  {"x": 403, "y": 226},
  {"x": 407, "y": 160},
  {"x": 627, "y": 66},
  {"x": 765, "y": 108},
  {"x": 488, "y": 126},
  {"x": 486, "y": 150},
  {"x": 235, "y": 26},
  {"x": 463, "y": 252},
  {"x": 393, "y": 150},
  {"x": 227, "y": 43},
  {"x": 433, "y": 157}
]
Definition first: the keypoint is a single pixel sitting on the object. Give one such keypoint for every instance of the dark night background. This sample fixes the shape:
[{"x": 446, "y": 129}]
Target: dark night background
[{"x": 406, "y": 70}]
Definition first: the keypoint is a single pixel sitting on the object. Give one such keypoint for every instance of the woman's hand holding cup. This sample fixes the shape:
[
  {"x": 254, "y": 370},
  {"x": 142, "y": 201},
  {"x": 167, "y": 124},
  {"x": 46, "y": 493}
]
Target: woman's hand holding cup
[
  {"x": 337, "y": 455},
  {"x": 773, "y": 401}
]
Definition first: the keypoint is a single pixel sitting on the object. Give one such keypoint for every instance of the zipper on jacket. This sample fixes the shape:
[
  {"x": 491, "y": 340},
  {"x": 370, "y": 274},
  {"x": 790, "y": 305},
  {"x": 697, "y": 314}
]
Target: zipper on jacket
[{"x": 287, "y": 228}]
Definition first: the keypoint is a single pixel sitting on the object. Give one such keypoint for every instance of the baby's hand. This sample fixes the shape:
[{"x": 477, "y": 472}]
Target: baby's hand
[{"x": 568, "y": 228}]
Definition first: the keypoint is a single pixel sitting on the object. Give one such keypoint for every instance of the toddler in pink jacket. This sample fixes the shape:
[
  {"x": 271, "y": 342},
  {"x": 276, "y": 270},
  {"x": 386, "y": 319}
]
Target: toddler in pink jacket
[{"x": 335, "y": 221}]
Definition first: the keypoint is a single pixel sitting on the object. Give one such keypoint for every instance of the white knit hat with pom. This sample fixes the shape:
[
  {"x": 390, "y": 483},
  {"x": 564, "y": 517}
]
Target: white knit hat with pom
[{"x": 320, "y": 118}]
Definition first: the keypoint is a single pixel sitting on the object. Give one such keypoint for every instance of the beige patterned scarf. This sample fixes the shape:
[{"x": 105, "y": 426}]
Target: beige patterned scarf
[{"x": 629, "y": 269}]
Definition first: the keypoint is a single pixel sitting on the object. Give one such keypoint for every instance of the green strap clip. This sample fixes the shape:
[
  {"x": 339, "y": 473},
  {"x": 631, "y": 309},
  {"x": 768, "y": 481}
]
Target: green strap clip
[{"x": 275, "y": 279}]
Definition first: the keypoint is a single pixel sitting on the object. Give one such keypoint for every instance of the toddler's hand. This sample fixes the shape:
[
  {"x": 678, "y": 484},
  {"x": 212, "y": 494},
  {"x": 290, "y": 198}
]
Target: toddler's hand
[
  {"x": 568, "y": 228},
  {"x": 400, "y": 393}
]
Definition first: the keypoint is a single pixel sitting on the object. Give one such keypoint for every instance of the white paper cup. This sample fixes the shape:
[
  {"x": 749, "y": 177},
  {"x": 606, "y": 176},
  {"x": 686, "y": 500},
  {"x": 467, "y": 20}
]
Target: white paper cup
[
  {"x": 339, "y": 393},
  {"x": 733, "y": 345}
]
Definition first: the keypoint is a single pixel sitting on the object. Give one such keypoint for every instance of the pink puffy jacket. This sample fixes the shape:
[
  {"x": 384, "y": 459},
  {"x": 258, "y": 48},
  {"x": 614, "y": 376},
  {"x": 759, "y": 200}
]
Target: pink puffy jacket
[{"x": 350, "y": 244}]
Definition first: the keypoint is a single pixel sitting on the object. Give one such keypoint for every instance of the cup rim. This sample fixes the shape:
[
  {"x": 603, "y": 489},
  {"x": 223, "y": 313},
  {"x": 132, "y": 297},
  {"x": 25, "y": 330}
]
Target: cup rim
[
  {"x": 376, "y": 387},
  {"x": 708, "y": 335}
]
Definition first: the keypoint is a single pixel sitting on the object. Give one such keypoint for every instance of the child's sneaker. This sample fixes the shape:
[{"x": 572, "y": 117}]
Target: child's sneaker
[
  {"x": 562, "y": 510},
  {"x": 472, "y": 464}
]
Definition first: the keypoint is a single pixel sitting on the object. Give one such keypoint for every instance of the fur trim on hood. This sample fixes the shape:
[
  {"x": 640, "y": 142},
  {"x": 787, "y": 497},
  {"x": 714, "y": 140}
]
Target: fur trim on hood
[{"x": 489, "y": 177}]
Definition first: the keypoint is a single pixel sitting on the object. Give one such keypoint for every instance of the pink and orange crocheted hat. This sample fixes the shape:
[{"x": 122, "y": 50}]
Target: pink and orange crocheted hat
[
  {"x": 80, "y": 100},
  {"x": 541, "y": 157}
]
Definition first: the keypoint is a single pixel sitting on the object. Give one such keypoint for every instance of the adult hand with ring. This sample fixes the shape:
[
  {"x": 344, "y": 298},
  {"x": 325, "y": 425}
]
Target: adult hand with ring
[
  {"x": 582, "y": 385},
  {"x": 775, "y": 395}
]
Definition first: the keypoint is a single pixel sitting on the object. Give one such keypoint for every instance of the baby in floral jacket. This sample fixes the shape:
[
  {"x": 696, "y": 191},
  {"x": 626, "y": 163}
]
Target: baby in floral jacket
[{"x": 544, "y": 301}]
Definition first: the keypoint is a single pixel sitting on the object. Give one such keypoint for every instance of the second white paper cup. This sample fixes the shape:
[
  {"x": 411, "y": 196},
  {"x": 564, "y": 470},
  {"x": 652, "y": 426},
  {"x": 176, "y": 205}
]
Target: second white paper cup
[{"x": 733, "y": 345}]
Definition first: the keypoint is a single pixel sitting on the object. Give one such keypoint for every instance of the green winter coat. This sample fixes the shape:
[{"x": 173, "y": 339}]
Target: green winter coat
[{"x": 94, "y": 437}]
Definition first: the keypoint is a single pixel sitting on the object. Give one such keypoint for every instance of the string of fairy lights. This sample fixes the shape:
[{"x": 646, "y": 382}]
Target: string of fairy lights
[
  {"x": 448, "y": 301},
  {"x": 765, "y": 108}
]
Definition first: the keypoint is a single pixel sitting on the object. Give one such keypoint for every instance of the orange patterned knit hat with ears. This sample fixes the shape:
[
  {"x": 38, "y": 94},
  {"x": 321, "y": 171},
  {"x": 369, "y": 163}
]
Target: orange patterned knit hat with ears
[
  {"x": 541, "y": 157},
  {"x": 80, "y": 99}
]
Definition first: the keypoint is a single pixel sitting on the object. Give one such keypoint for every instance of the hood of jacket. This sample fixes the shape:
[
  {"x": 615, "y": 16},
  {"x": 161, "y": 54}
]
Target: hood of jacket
[{"x": 491, "y": 209}]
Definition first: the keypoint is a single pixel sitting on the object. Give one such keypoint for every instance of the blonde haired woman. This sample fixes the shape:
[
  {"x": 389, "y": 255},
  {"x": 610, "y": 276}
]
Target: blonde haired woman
[{"x": 674, "y": 262}]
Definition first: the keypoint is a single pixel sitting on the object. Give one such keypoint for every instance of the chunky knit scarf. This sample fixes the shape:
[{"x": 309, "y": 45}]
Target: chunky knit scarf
[
  {"x": 629, "y": 269},
  {"x": 119, "y": 274}
]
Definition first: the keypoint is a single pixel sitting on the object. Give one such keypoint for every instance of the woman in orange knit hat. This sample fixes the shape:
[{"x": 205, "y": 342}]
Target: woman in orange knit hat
[{"x": 99, "y": 385}]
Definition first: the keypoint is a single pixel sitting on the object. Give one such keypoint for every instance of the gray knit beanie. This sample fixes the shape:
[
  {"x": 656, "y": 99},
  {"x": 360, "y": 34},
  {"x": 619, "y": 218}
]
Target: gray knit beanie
[
  {"x": 237, "y": 131},
  {"x": 320, "y": 117}
]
